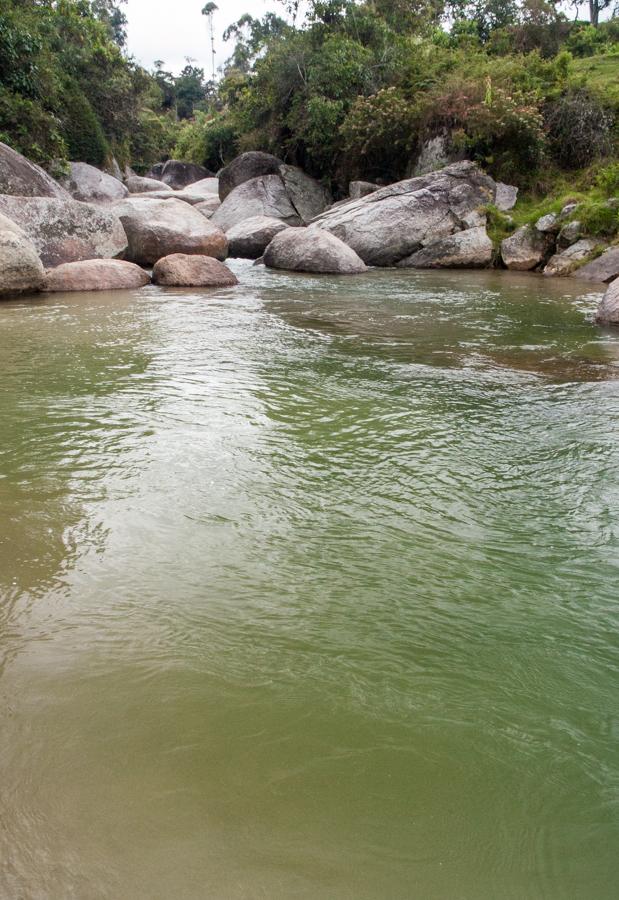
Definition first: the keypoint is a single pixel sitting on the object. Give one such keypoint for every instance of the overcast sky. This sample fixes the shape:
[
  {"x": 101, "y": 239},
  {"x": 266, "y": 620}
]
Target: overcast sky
[{"x": 173, "y": 29}]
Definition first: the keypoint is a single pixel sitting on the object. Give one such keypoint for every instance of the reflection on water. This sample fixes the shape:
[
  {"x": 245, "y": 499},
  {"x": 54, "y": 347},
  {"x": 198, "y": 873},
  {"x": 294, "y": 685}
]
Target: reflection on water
[{"x": 309, "y": 590}]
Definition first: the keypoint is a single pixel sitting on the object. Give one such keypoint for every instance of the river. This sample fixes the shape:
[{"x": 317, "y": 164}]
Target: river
[{"x": 310, "y": 589}]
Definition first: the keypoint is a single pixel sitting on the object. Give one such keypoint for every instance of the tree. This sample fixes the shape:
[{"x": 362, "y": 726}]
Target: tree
[
  {"x": 209, "y": 11},
  {"x": 190, "y": 89}
]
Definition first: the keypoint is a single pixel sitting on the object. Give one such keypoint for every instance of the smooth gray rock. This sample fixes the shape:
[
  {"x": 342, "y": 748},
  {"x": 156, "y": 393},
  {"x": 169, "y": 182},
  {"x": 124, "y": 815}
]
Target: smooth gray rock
[
  {"x": 565, "y": 262},
  {"x": 469, "y": 249},
  {"x": 434, "y": 155},
  {"x": 206, "y": 187},
  {"x": 21, "y": 178},
  {"x": 158, "y": 228},
  {"x": 208, "y": 207},
  {"x": 91, "y": 185},
  {"x": 250, "y": 238},
  {"x": 569, "y": 234},
  {"x": 608, "y": 310},
  {"x": 138, "y": 185},
  {"x": 183, "y": 270},
  {"x": 307, "y": 195},
  {"x": 393, "y": 222},
  {"x": 603, "y": 269},
  {"x": 359, "y": 189},
  {"x": 312, "y": 250},
  {"x": 21, "y": 270},
  {"x": 506, "y": 196},
  {"x": 179, "y": 174},
  {"x": 264, "y": 196},
  {"x": 246, "y": 167},
  {"x": 96, "y": 275},
  {"x": 525, "y": 249},
  {"x": 66, "y": 230}
]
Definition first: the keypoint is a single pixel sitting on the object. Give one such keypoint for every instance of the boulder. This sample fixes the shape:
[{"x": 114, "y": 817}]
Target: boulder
[
  {"x": 525, "y": 249},
  {"x": 569, "y": 234},
  {"x": 603, "y": 269},
  {"x": 138, "y": 185},
  {"x": 264, "y": 196},
  {"x": 244, "y": 168},
  {"x": 205, "y": 187},
  {"x": 167, "y": 193},
  {"x": 434, "y": 155},
  {"x": 565, "y": 262},
  {"x": 21, "y": 269},
  {"x": 22, "y": 178},
  {"x": 155, "y": 172},
  {"x": 312, "y": 250},
  {"x": 66, "y": 230},
  {"x": 250, "y": 238},
  {"x": 91, "y": 185},
  {"x": 359, "y": 189},
  {"x": 157, "y": 228},
  {"x": 506, "y": 196},
  {"x": 112, "y": 168},
  {"x": 548, "y": 224},
  {"x": 208, "y": 207},
  {"x": 307, "y": 195},
  {"x": 181, "y": 270},
  {"x": 179, "y": 174},
  {"x": 96, "y": 275},
  {"x": 608, "y": 310},
  {"x": 470, "y": 249},
  {"x": 394, "y": 222}
]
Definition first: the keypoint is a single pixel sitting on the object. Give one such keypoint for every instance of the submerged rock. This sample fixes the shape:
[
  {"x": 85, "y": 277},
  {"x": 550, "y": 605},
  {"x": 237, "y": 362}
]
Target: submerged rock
[
  {"x": 182, "y": 270},
  {"x": 604, "y": 269},
  {"x": 525, "y": 249},
  {"x": 608, "y": 310},
  {"x": 565, "y": 262},
  {"x": 67, "y": 230},
  {"x": 20, "y": 177},
  {"x": 263, "y": 196},
  {"x": 466, "y": 249},
  {"x": 393, "y": 223},
  {"x": 91, "y": 185},
  {"x": 312, "y": 250},
  {"x": 244, "y": 168},
  {"x": 21, "y": 269},
  {"x": 96, "y": 275},
  {"x": 250, "y": 238},
  {"x": 157, "y": 228}
]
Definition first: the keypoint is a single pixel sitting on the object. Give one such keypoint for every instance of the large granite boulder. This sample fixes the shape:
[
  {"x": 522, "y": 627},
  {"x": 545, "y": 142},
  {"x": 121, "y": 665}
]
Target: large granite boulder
[
  {"x": 394, "y": 222},
  {"x": 156, "y": 171},
  {"x": 22, "y": 178},
  {"x": 208, "y": 207},
  {"x": 603, "y": 269},
  {"x": 307, "y": 195},
  {"x": 250, "y": 238},
  {"x": 312, "y": 250},
  {"x": 21, "y": 269},
  {"x": 66, "y": 230},
  {"x": 264, "y": 196},
  {"x": 469, "y": 249},
  {"x": 565, "y": 262},
  {"x": 525, "y": 249},
  {"x": 157, "y": 228},
  {"x": 91, "y": 185},
  {"x": 206, "y": 187},
  {"x": 608, "y": 310},
  {"x": 138, "y": 185},
  {"x": 359, "y": 189},
  {"x": 181, "y": 270},
  {"x": 179, "y": 174},
  {"x": 96, "y": 275},
  {"x": 244, "y": 168}
]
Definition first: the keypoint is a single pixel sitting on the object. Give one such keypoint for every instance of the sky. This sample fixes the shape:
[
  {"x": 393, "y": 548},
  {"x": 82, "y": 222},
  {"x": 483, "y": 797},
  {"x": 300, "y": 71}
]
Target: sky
[{"x": 174, "y": 29}]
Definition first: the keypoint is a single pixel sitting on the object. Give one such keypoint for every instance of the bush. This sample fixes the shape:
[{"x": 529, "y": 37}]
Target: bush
[
  {"x": 608, "y": 180},
  {"x": 208, "y": 141},
  {"x": 579, "y": 129},
  {"x": 29, "y": 129},
  {"x": 379, "y": 134},
  {"x": 84, "y": 135}
]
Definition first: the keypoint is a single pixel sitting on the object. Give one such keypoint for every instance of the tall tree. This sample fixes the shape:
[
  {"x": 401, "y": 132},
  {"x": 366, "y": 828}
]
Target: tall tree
[{"x": 209, "y": 11}]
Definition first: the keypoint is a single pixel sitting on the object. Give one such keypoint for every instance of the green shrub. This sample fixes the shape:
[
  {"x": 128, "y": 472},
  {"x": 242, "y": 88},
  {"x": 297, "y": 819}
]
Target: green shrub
[
  {"x": 208, "y": 141},
  {"x": 608, "y": 180},
  {"x": 597, "y": 218},
  {"x": 30, "y": 129},
  {"x": 579, "y": 129},
  {"x": 83, "y": 131}
]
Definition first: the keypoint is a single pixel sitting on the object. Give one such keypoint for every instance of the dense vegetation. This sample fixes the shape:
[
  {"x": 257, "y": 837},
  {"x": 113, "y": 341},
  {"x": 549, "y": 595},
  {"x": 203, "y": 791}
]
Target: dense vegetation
[{"x": 354, "y": 91}]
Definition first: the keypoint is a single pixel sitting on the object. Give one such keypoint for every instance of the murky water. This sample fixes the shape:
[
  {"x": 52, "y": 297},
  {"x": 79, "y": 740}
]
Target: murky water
[{"x": 310, "y": 590}]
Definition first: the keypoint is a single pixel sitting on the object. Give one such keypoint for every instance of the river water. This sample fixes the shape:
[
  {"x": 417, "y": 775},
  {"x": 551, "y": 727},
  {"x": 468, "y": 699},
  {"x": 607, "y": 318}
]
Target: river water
[{"x": 310, "y": 589}]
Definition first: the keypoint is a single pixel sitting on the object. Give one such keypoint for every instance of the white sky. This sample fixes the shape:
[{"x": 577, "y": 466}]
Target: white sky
[{"x": 173, "y": 29}]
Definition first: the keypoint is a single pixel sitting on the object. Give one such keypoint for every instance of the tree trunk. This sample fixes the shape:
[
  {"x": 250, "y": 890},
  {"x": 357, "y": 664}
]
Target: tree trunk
[{"x": 594, "y": 13}]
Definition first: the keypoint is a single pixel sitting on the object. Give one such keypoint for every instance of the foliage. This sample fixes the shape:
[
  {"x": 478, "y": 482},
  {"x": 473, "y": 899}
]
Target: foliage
[{"x": 579, "y": 129}]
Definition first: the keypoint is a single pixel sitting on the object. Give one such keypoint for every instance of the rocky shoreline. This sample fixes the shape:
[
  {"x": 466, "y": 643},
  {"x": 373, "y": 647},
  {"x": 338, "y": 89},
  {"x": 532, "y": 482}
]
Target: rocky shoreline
[{"x": 92, "y": 230}]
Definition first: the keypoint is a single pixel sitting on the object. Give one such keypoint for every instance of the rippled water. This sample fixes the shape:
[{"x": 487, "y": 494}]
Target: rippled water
[{"x": 310, "y": 590}]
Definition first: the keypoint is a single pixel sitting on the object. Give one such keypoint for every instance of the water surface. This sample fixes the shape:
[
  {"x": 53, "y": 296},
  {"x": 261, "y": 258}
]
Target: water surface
[{"x": 309, "y": 589}]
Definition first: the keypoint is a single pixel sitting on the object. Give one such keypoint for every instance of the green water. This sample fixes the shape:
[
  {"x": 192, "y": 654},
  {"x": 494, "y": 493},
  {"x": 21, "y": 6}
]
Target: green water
[{"x": 310, "y": 590}]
